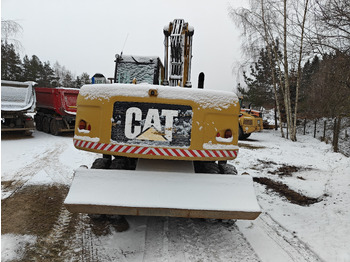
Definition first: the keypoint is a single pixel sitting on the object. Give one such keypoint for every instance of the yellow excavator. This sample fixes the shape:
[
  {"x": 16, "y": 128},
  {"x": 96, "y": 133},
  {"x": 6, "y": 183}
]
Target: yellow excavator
[
  {"x": 164, "y": 148},
  {"x": 249, "y": 121}
]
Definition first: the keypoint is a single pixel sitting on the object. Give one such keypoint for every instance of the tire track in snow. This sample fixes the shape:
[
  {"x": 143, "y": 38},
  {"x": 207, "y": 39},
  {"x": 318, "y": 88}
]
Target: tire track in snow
[
  {"x": 182, "y": 239},
  {"x": 270, "y": 235},
  {"x": 22, "y": 176},
  {"x": 89, "y": 247}
]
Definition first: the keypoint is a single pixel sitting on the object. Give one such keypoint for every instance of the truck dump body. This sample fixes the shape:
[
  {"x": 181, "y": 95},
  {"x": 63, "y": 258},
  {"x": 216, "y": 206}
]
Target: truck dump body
[
  {"x": 60, "y": 99},
  {"x": 17, "y": 99},
  {"x": 56, "y": 109},
  {"x": 17, "y": 96}
]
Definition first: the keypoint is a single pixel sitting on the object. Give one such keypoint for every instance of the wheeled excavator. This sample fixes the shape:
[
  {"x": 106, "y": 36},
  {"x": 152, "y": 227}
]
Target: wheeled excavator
[{"x": 164, "y": 146}]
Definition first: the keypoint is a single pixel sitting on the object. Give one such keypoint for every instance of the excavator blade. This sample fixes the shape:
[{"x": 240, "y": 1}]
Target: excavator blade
[{"x": 162, "y": 193}]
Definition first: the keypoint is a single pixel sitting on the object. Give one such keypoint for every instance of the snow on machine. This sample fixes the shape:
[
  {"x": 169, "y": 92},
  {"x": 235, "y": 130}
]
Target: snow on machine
[
  {"x": 164, "y": 148},
  {"x": 17, "y": 102}
]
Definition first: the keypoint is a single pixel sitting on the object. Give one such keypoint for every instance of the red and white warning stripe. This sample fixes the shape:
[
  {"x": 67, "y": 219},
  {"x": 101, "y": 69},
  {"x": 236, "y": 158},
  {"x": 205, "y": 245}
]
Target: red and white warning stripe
[{"x": 142, "y": 150}]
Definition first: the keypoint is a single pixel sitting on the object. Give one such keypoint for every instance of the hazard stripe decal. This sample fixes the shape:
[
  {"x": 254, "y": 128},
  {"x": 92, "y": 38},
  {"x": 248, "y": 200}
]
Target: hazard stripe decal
[{"x": 141, "y": 150}]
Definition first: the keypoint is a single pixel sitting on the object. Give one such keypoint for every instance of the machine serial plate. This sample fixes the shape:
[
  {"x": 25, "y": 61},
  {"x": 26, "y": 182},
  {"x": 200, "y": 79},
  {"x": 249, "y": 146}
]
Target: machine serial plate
[{"x": 152, "y": 124}]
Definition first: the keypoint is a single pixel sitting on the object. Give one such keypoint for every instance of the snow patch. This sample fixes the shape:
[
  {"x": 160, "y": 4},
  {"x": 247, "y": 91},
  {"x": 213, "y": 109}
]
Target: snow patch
[
  {"x": 211, "y": 146},
  {"x": 87, "y": 138},
  {"x": 206, "y": 98},
  {"x": 13, "y": 246}
]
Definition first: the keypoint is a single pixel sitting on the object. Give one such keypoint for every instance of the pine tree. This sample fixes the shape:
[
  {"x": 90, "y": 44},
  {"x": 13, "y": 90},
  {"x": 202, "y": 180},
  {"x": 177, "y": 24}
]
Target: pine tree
[
  {"x": 259, "y": 89},
  {"x": 11, "y": 66},
  {"x": 47, "y": 75},
  {"x": 32, "y": 69},
  {"x": 85, "y": 78}
]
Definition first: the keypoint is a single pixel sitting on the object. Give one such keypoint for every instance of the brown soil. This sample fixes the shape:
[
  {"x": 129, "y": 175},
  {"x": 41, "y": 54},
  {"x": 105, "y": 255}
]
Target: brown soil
[
  {"x": 250, "y": 146},
  {"x": 285, "y": 191},
  {"x": 37, "y": 208},
  {"x": 285, "y": 170}
]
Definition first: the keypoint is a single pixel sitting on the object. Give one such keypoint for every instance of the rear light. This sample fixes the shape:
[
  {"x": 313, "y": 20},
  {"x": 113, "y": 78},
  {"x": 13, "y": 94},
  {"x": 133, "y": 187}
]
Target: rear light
[
  {"x": 228, "y": 133},
  {"x": 82, "y": 124},
  {"x": 228, "y": 138}
]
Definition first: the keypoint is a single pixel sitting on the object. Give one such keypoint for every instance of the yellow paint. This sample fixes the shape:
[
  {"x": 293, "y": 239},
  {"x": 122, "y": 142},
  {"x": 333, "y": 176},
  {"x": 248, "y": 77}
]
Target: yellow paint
[{"x": 99, "y": 113}]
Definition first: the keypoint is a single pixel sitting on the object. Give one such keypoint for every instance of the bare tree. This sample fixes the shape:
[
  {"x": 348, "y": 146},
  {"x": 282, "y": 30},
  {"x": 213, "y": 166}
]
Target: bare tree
[
  {"x": 332, "y": 27},
  {"x": 9, "y": 31},
  {"x": 268, "y": 22}
]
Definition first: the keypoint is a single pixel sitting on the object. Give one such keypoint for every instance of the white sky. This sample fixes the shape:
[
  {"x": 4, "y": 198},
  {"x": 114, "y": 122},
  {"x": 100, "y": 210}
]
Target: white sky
[{"x": 85, "y": 35}]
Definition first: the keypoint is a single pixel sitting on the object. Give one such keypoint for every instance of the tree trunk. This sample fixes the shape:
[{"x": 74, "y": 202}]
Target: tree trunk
[
  {"x": 324, "y": 129},
  {"x": 304, "y": 126},
  {"x": 315, "y": 126},
  {"x": 272, "y": 64},
  {"x": 286, "y": 72},
  {"x": 294, "y": 132},
  {"x": 336, "y": 131}
]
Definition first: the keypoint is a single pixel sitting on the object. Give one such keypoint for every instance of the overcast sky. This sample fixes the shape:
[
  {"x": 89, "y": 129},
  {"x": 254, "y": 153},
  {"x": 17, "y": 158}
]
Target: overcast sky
[{"x": 85, "y": 35}]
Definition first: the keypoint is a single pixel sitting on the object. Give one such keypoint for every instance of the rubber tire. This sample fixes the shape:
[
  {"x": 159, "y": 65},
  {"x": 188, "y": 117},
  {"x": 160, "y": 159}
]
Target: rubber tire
[
  {"x": 101, "y": 163},
  {"x": 241, "y": 135},
  {"x": 39, "y": 122},
  {"x": 207, "y": 167},
  {"x": 55, "y": 127},
  {"x": 46, "y": 124}
]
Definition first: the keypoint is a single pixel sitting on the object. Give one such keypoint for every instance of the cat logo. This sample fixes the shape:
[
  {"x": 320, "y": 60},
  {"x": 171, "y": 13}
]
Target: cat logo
[{"x": 152, "y": 128}]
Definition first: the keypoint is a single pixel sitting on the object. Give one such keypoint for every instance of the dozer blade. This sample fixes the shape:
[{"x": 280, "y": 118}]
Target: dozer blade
[{"x": 162, "y": 193}]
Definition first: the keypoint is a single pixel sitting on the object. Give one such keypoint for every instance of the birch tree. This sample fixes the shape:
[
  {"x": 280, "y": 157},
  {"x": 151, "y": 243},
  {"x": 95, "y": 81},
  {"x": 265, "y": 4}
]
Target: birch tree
[{"x": 272, "y": 21}]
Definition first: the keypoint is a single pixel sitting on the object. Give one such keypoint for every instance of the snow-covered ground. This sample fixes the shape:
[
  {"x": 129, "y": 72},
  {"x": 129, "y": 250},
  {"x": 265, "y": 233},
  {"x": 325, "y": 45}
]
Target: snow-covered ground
[{"x": 284, "y": 231}]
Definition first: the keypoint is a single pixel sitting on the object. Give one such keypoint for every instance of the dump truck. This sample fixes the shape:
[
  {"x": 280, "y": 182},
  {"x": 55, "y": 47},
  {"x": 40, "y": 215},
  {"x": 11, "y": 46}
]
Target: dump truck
[
  {"x": 17, "y": 106},
  {"x": 164, "y": 149},
  {"x": 56, "y": 109}
]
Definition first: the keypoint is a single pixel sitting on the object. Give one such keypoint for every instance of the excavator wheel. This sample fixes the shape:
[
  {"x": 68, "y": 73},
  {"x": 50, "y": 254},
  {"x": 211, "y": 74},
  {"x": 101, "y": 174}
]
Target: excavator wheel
[
  {"x": 226, "y": 168},
  {"x": 102, "y": 221},
  {"x": 211, "y": 167},
  {"x": 242, "y": 136},
  {"x": 207, "y": 167}
]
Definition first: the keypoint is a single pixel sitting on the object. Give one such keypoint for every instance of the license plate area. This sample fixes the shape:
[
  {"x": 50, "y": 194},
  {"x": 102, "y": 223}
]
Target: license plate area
[{"x": 152, "y": 124}]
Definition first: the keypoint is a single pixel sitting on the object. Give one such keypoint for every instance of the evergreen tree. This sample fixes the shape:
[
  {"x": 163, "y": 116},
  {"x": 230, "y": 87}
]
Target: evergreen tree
[
  {"x": 308, "y": 71},
  {"x": 32, "y": 69},
  {"x": 259, "y": 89},
  {"x": 47, "y": 75},
  {"x": 11, "y": 65},
  {"x": 68, "y": 80},
  {"x": 85, "y": 78}
]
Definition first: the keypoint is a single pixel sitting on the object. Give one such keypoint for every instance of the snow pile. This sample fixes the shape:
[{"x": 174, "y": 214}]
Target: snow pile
[{"x": 205, "y": 98}]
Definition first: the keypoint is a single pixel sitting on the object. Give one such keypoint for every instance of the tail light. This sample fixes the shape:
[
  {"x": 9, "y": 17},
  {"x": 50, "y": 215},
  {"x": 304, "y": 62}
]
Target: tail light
[
  {"x": 84, "y": 126},
  {"x": 228, "y": 133},
  {"x": 227, "y": 137}
]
